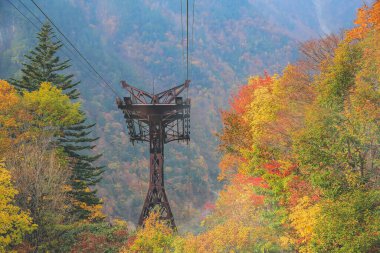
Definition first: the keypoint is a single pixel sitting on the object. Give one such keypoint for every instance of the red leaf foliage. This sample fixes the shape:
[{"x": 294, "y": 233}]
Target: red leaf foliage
[
  {"x": 276, "y": 168},
  {"x": 209, "y": 206},
  {"x": 257, "y": 199},
  {"x": 299, "y": 188},
  {"x": 244, "y": 96},
  {"x": 248, "y": 180}
]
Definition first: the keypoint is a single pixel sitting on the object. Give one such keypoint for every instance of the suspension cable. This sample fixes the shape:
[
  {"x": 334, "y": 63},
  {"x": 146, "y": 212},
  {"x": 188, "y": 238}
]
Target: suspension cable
[
  {"x": 187, "y": 39},
  {"x": 38, "y": 28},
  {"x": 192, "y": 39},
  {"x": 182, "y": 40},
  {"x": 30, "y": 21},
  {"x": 64, "y": 45},
  {"x": 34, "y": 15},
  {"x": 192, "y": 25},
  {"x": 72, "y": 45}
]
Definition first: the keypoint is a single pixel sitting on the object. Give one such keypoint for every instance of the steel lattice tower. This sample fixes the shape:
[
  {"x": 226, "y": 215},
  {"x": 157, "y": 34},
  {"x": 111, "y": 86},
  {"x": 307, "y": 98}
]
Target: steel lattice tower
[{"x": 157, "y": 119}]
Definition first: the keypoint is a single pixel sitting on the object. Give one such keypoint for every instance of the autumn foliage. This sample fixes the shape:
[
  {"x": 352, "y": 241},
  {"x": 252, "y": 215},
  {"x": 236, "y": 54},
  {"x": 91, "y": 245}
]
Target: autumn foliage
[
  {"x": 14, "y": 223},
  {"x": 154, "y": 237},
  {"x": 368, "y": 20},
  {"x": 36, "y": 201},
  {"x": 301, "y": 153},
  {"x": 300, "y": 162}
]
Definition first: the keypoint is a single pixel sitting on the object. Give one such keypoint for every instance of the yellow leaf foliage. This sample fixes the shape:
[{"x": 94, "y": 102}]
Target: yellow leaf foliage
[
  {"x": 8, "y": 98},
  {"x": 230, "y": 236},
  {"x": 303, "y": 218},
  {"x": 14, "y": 223},
  {"x": 11, "y": 116},
  {"x": 155, "y": 237},
  {"x": 50, "y": 107},
  {"x": 22, "y": 117},
  {"x": 263, "y": 108},
  {"x": 96, "y": 212}
]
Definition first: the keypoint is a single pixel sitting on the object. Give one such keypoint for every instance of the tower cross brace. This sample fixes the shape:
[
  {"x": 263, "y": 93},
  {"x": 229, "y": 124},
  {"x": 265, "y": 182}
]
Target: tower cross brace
[{"x": 157, "y": 119}]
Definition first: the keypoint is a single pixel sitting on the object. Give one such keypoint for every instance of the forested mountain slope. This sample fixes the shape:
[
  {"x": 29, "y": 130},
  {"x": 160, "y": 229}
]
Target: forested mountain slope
[{"x": 140, "y": 41}]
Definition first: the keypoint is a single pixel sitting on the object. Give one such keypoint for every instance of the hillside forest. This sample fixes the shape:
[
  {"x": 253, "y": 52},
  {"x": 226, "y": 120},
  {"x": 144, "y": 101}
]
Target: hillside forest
[{"x": 296, "y": 149}]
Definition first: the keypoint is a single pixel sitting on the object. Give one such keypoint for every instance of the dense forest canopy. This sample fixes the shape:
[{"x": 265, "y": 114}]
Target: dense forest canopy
[
  {"x": 141, "y": 42},
  {"x": 285, "y": 127}
]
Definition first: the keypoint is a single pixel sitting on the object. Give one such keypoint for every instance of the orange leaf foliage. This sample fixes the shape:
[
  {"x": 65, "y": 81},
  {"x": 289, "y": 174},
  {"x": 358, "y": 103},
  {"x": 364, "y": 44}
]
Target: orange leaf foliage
[
  {"x": 368, "y": 18},
  {"x": 240, "y": 179},
  {"x": 12, "y": 116},
  {"x": 244, "y": 96},
  {"x": 228, "y": 165}
]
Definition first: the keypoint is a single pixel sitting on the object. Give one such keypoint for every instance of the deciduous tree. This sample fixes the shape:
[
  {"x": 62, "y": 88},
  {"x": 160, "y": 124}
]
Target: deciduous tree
[
  {"x": 41, "y": 176},
  {"x": 44, "y": 65},
  {"x": 14, "y": 223}
]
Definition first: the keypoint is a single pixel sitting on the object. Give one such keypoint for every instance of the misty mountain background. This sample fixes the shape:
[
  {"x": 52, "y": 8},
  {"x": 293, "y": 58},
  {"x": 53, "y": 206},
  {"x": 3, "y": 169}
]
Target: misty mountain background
[{"x": 140, "y": 42}]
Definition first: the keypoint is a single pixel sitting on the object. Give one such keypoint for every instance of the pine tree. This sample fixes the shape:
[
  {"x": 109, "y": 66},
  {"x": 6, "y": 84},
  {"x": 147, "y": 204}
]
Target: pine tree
[
  {"x": 76, "y": 142},
  {"x": 43, "y": 65}
]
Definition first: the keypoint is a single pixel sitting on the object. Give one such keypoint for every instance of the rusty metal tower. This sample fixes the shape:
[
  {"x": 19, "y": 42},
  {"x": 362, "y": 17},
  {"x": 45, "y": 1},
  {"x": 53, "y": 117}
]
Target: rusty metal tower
[{"x": 157, "y": 119}]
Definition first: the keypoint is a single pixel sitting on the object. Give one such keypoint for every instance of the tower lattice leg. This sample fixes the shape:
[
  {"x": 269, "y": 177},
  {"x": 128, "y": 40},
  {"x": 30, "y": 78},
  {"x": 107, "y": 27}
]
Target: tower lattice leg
[{"x": 156, "y": 197}]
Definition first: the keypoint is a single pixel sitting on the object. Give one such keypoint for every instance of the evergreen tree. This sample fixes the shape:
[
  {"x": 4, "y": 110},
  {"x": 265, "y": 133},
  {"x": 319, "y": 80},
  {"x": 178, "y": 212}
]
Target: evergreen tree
[
  {"x": 43, "y": 65},
  {"x": 77, "y": 142}
]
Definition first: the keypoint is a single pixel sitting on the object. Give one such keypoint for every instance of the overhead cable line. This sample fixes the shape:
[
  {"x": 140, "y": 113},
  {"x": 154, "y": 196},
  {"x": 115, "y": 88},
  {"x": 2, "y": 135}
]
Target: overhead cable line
[
  {"x": 40, "y": 21},
  {"x": 182, "y": 40},
  {"x": 187, "y": 39},
  {"x": 192, "y": 25},
  {"x": 27, "y": 18},
  {"x": 14, "y": 6},
  {"x": 30, "y": 21},
  {"x": 31, "y": 12},
  {"x": 38, "y": 28},
  {"x": 72, "y": 45},
  {"x": 192, "y": 39}
]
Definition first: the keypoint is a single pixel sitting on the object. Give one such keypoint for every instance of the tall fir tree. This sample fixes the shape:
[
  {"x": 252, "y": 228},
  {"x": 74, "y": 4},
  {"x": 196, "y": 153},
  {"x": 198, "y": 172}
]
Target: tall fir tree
[{"x": 44, "y": 65}]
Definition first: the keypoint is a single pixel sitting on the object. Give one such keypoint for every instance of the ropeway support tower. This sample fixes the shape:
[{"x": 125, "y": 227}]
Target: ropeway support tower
[{"x": 157, "y": 119}]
